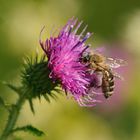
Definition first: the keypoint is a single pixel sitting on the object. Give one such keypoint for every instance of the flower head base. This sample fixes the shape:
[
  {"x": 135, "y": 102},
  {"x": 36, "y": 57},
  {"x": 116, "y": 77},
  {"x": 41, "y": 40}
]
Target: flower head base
[
  {"x": 64, "y": 54},
  {"x": 35, "y": 78}
]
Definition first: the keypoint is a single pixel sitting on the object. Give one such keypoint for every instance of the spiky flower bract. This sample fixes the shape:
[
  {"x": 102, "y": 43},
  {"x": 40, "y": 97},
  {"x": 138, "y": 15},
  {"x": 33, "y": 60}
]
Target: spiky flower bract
[
  {"x": 64, "y": 53},
  {"x": 36, "y": 81}
]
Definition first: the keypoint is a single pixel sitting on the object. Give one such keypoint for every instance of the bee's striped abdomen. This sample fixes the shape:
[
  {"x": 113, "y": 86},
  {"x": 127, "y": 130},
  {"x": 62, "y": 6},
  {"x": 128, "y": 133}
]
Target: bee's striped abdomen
[{"x": 107, "y": 84}]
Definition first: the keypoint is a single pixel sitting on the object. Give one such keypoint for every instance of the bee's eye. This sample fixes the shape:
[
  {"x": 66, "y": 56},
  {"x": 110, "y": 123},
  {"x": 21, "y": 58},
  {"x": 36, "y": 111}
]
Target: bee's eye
[{"x": 85, "y": 59}]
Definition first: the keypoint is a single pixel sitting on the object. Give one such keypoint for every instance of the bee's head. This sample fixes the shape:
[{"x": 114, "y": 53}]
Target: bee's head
[{"x": 85, "y": 58}]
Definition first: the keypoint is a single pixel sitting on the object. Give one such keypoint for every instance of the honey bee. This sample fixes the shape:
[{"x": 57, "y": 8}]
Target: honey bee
[{"x": 97, "y": 63}]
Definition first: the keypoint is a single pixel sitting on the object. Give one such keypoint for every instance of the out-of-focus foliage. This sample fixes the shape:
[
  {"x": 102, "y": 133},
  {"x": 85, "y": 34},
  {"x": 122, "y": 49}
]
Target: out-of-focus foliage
[
  {"x": 111, "y": 21},
  {"x": 107, "y": 18}
]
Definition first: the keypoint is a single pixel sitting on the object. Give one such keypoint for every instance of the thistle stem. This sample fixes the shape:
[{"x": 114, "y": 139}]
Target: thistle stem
[{"x": 13, "y": 116}]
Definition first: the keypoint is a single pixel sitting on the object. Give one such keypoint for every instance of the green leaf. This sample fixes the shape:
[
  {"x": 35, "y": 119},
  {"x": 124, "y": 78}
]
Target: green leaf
[{"x": 31, "y": 129}]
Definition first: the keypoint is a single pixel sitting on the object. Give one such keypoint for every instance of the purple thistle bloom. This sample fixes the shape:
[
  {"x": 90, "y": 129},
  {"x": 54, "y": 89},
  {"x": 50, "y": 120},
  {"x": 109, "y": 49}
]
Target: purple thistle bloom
[{"x": 64, "y": 53}]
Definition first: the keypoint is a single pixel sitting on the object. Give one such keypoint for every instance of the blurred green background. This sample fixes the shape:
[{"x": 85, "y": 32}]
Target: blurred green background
[{"x": 116, "y": 24}]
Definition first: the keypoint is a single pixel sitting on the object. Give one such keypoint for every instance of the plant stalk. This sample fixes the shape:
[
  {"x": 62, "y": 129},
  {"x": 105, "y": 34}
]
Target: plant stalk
[{"x": 13, "y": 116}]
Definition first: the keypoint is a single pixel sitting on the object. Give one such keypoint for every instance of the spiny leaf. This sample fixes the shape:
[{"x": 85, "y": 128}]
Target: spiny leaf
[
  {"x": 31, "y": 129},
  {"x": 3, "y": 104},
  {"x": 11, "y": 86}
]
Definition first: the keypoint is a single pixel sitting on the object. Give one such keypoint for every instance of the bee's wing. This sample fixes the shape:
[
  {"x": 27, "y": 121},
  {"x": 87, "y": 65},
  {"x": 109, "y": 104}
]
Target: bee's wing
[
  {"x": 116, "y": 75},
  {"x": 115, "y": 63}
]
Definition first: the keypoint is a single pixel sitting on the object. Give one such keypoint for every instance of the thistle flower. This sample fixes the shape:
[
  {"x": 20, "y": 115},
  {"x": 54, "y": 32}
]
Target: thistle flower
[{"x": 64, "y": 53}]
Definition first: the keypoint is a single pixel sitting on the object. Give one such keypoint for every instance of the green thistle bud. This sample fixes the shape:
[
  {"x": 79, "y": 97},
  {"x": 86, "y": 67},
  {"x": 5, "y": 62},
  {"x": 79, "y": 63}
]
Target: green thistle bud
[{"x": 35, "y": 78}]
